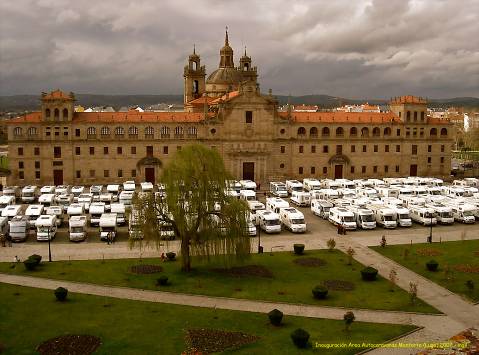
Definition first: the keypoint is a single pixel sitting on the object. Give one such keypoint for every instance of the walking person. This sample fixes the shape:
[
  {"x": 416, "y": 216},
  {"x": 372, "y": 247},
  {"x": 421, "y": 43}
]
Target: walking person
[{"x": 9, "y": 240}]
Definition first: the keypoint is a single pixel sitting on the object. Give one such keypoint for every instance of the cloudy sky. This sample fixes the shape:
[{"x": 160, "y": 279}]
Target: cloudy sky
[{"x": 355, "y": 49}]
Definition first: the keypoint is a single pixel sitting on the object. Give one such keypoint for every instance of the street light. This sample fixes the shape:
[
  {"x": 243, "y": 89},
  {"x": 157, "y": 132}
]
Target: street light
[
  {"x": 49, "y": 246},
  {"x": 429, "y": 238}
]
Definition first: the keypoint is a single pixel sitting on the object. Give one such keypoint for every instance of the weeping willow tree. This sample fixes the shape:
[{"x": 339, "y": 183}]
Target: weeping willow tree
[{"x": 196, "y": 208}]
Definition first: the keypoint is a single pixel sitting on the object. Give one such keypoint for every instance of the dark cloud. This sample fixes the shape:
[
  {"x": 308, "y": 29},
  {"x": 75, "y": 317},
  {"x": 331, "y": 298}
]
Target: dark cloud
[{"x": 360, "y": 49}]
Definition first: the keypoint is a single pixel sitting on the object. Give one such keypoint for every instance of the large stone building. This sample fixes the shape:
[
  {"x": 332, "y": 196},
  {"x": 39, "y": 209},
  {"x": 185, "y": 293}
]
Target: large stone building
[{"x": 226, "y": 111}]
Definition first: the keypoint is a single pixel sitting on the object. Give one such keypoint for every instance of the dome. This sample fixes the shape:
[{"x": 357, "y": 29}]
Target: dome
[{"x": 224, "y": 76}]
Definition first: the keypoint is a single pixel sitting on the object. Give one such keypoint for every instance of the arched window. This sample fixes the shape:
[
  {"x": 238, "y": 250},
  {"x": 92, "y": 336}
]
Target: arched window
[
  {"x": 105, "y": 131},
  {"x": 443, "y": 132},
  {"x": 65, "y": 113},
  {"x": 313, "y": 132},
  {"x": 364, "y": 132},
  {"x": 415, "y": 116},
  {"x": 133, "y": 131},
  {"x": 376, "y": 132},
  {"x": 47, "y": 113},
  {"x": 32, "y": 131},
  {"x": 387, "y": 131},
  {"x": 149, "y": 132},
  {"x": 301, "y": 131},
  {"x": 408, "y": 115},
  {"x": 18, "y": 131},
  {"x": 433, "y": 132},
  {"x": 353, "y": 132},
  {"x": 165, "y": 132},
  {"x": 119, "y": 131},
  {"x": 56, "y": 114},
  {"x": 91, "y": 131},
  {"x": 325, "y": 132},
  {"x": 192, "y": 132},
  {"x": 422, "y": 115},
  {"x": 339, "y": 132},
  {"x": 178, "y": 132}
]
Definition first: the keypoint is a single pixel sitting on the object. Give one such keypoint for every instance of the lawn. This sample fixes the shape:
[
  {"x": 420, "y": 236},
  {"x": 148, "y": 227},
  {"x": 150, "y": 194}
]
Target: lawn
[
  {"x": 30, "y": 316},
  {"x": 458, "y": 263},
  {"x": 290, "y": 282}
]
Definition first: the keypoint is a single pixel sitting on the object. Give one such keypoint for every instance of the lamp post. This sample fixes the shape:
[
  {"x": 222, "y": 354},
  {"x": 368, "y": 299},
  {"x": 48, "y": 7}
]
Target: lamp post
[
  {"x": 49, "y": 246},
  {"x": 429, "y": 238},
  {"x": 260, "y": 248}
]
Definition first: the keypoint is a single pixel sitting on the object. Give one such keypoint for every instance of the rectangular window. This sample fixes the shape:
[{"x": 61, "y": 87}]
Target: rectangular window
[
  {"x": 37, "y": 174},
  {"x": 77, "y": 151},
  {"x": 397, "y": 168},
  {"x": 165, "y": 149},
  {"x": 375, "y": 169},
  {"x": 376, "y": 148},
  {"x": 48, "y": 133},
  {"x": 398, "y": 148},
  {"x": 386, "y": 148},
  {"x": 57, "y": 134},
  {"x": 92, "y": 150},
  {"x": 249, "y": 116},
  {"x": 20, "y": 151},
  {"x": 386, "y": 168},
  {"x": 442, "y": 148},
  {"x": 149, "y": 150},
  {"x": 442, "y": 160},
  {"x": 105, "y": 150},
  {"x": 65, "y": 133},
  {"x": 92, "y": 173},
  {"x": 120, "y": 173},
  {"x": 133, "y": 150},
  {"x": 429, "y": 148},
  {"x": 119, "y": 150},
  {"x": 339, "y": 149},
  {"x": 106, "y": 173},
  {"x": 300, "y": 170},
  {"x": 363, "y": 169},
  {"x": 313, "y": 149},
  {"x": 325, "y": 170},
  {"x": 365, "y": 149},
  {"x": 21, "y": 175},
  {"x": 36, "y": 151},
  {"x": 77, "y": 132},
  {"x": 398, "y": 132},
  {"x": 352, "y": 170},
  {"x": 429, "y": 159},
  {"x": 313, "y": 170},
  {"x": 57, "y": 152},
  {"x": 21, "y": 165},
  {"x": 283, "y": 149},
  {"x": 414, "y": 149},
  {"x": 301, "y": 149},
  {"x": 37, "y": 165},
  {"x": 325, "y": 149},
  {"x": 78, "y": 174},
  {"x": 133, "y": 173}
]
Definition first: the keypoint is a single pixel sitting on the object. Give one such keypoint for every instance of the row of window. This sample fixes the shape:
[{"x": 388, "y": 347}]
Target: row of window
[
  {"x": 339, "y": 149},
  {"x": 78, "y": 174},
  {"x": 353, "y": 132}
]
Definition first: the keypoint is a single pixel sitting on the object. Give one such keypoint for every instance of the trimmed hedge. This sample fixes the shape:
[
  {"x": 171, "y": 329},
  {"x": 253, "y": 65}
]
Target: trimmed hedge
[
  {"x": 171, "y": 256},
  {"x": 320, "y": 292},
  {"x": 61, "y": 294},
  {"x": 432, "y": 265},
  {"x": 162, "y": 280},
  {"x": 300, "y": 338},
  {"x": 298, "y": 249},
  {"x": 369, "y": 273},
  {"x": 275, "y": 317},
  {"x": 36, "y": 257},
  {"x": 30, "y": 264}
]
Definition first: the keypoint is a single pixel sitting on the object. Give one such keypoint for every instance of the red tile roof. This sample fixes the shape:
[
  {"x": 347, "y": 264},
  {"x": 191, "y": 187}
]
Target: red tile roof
[
  {"x": 409, "y": 99},
  {"x": 343, "y": 117},
  {"x": 57, "y": 94},
  {"x": 201, "y": 100},
  {"x": 226, "y": 97}
]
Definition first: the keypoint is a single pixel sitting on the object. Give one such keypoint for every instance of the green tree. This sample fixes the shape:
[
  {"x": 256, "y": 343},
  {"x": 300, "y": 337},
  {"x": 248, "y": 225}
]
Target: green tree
[{"x": 196, "y": 206}]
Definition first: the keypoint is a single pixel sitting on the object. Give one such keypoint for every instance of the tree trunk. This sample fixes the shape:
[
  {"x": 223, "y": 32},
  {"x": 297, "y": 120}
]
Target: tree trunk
[{"x": 185, "y": 254}]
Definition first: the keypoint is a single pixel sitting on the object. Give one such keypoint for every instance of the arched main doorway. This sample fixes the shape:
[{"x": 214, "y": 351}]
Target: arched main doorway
[
  {"x": 149, "y": 169},
  {"x": 338, "y": 164}
]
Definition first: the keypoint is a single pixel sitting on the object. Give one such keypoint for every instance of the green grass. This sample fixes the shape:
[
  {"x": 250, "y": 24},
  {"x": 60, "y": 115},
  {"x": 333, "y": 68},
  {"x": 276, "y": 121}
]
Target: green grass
[
  {"x": 291, "y": 282},
  {"x": 453, "y": 253},
  {"x": 30, "y": 316}
]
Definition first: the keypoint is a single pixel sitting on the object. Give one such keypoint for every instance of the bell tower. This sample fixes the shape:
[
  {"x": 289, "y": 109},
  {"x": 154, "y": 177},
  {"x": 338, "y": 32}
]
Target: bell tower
[
  {"x": 57, "y": 106},
  {"x": 248, "y": 72},
  {"x": 194, "y": 75}
]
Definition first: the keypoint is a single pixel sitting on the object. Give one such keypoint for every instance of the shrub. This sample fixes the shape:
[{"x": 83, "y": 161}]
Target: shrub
[
  {"x": 298, "y": 249},
  {"x": 162, "y": 280},
  {"x": 171, "y": 256},
  {"x": 432, "y": 265},
  {"x": 61, "y": 294},
  {"x": 30, "y": 264},
  {"x": 275, "y": 317},
  {"x": 369, "y": 273},
  {"x": 348, "y": 319},
  {"x": 300, "y": 338},
  {"x": 331, "y": 244},
  {"x": 470, "y": 285},
  {"x": 413, "y": 292},
  {"x": 320, "y": 292},
  {"x": 36, "y": 257}
]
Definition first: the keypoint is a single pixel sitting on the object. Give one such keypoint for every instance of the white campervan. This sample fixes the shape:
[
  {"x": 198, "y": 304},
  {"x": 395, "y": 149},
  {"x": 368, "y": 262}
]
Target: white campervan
[
  {"x": 46, "y": 227},
  {"x": 30, "y": 194},
  {"x": 292, "y": 219},
  {"x": 342, "y": 216},
  {"x": 47, "y": 200},
  {"x": 423, "y": 215},
  {"x": 95, "y": 191},
  {"x": 62, "y": 190},
  {"x": 5, "y": 201},
  {"x": 12, "y": 191},
  {"x": 64, "y": 201},
  {"x": 86, "y": 199},
  {"x": 77, "y": 191},
  {"x": 47, "y": 190},
  {"x": 385, "y": 216},
  {"x": 11, "y": 211},
  {"x": 278, "y": 189},
  {"x": 75, "y": 209},
  {"x": 293, "y": 185},
  {"x": 364, "y": 217},
  {"x": 274, "y": 204},
  {"x": 77, "y": 228},
  {"x": 464, "y": 213},
  {"x": 248, "y": 195},
  {"x": 255, "y": 206},
  {"x": 126, "y": 198},
  {"x": 56, "y": 211},
  {"x": 268, "y": 221},
  {"x": 301, "y": 198},
  {"x": 96, "y": 211},
  {"x": 146, "y": 186},
  {"x": 119, "y": 209},
  {"x": 108, "y": 226},
  {"x": 129, "y": 186},
  {"x": 442, "y": 213},
  {"x": 248, "y": 185},
  {"x": 402, "y": 214},
  {"x": 33, "y": 212},
  {"x": 18, "y": 228},
  {"x": 115, "y": 190},
  {"x": 321, "y": 208},
  {"x": 311, "y": 184}
]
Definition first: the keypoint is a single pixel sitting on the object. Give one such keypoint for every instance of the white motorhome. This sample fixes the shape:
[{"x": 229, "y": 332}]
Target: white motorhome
[
  {"x": 46, "y": 227},
  {"x": 301, "y": 198},
  {"x": 129, "y": 185},
  {"x": 268, "y": 221},
  {"x": 231, "y": 193},
  {"x": 64, "y": 201},
  {"x": 248, "y": 185},
  {"x": 107, "y": 198},
  {"x": 328, "y": 195},
  {"x": 311, "y": 184},
  {"x": 6, "y": 200},
  {"x": 97, "y": 209},
  {"x": 330, "y": 184},
  {"x": 47, "y": 190},
  {"x": 248, "y": 195},
  {"x": 231, "y": 184},
  {"x": 126, "y": 197},
  {"x": 402, "y": 216},
  {"x": 76, "y": 209},
  {"x": 255, "y": 206},
  {"x": 342, "y": 216},
  {"x": 33, "y": 212},
  {"x": 120, "y": 211},
  {"x": 321, "y": 208},
  {"x": 56, "y": 211},
  {"x": 30, "y": 194},
  {"x": 370, "y": 193},
  {"x": 293, "y": 185},
  {"x": 11, "y": 211},
  {"x": 388, "y": 191},
  {"x": 464, "y": 212},
  {"x": 442, "y": 213},
  {"x": 77, "y": 191},
  {"x": 86, "y": 199},
  {"x": 108, "y": 226},
  {"x": 346, "y": 184},
  {"x": 364, "y": 217},
  {"x": 385, "y": 216},
  {"x": 472, "y": 182},
  {"x": 133, "y": 226},
  {"x": 12, "y": 191},
  {"x": 95, "y": 191},
  {"x": 292, "y": 219},
  {"x": 362, "y": 183},
  {"x": 422, "y": 215},
  {"x": 115, "y": 190},
  {"x": 18, "y": 226},
  {"x": 278, "y": 189},
  {"x": 62, "y": 190},
  {"x": 346, "y": 193},
  {"x": 146, "y": 186},
  {"x": 274, "y": 204},
  {"x": 77, "y": 228},
  {"x": 47, "y": 200}
]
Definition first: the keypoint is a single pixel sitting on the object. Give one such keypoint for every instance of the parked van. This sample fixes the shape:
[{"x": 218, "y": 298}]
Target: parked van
[
  {"x": 423, "y": 215},
  {"x": 126, "y": 198},
  {"x": 464, "y": 213},
  {"x": 328, "y": 195},
  {"x": 301, "y": 198},
  {"x": 321, "y": 208},
  {"x": 62, "y": 190},
  {"x": 248, "y": 185},
  {"x": 274, "y": 204},
  {"x": 76, "y": 209},
  {"x": 346, "y": 184},
  {"x": 95, "y": 191},
  {"x": 311, "y": 184},
  {"x": 146, "y": 186},
  {"x": 5, "y": 201},
  {"x": 248, "y": 195},
  {"x": 77, "y": 191},
  {"x": 385, "y": 216},
  {"x": 47, "y": 200},
  {"x": 442, "y": 213},
  {"x": 129, "y": 185},
  {"x": 342, "y": 216},
  {"x": 18, "y": 227},
  {"x": 115, "y": 190},
  {"x": 56, "y": 211},
  {"x": 33, "y": 212},
  {"x": 30, "y": 194},
  {"x": 64, "y": 201},
  {"x": 268, "y": 221},
  {"x": 330, "y": 184},
  {"x": 46, "y": 227},
  {"x": 293, "y": 185},
  {"x": 14, "y": 191},
  {"x": 292, "y": 219},
  {"x": 47, "y": 190},
  {"x": 364, "y": 217},
  {"x": 255, "y": 206},
  {"x": 96, "y": 211},
  {"x": 11, "y": 211},
  {"x": 77, "y": 228},
  {"x": 108, "y": 226},
  {"x": 119, "y": 209},
  {"x": 402, "y": 216},
  {"x": 86, "y": 199},
  {"x": 278, "y": 189}
]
